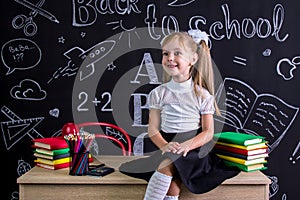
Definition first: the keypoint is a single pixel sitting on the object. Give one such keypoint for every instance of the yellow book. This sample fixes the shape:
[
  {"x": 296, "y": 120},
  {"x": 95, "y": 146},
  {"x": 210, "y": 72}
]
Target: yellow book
[
  {"x": 53, "y": 162},
  {"x": 246, "y": 168},
  {"x": 249, "y": 147},
  {"x": 242, "y": 161}
]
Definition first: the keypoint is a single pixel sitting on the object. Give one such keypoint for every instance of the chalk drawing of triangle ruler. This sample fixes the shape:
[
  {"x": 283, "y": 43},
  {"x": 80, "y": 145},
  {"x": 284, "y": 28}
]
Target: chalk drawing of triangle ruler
[{"x": 14, "y": 130}]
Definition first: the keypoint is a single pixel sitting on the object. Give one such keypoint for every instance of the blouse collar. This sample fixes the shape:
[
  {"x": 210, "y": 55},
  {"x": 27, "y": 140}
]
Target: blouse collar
[{"x": 180, "y": 87}]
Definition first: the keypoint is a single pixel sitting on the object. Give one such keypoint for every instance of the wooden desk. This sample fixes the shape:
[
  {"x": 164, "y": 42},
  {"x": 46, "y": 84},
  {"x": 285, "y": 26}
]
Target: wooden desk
[{"x": 39, "y": 183}]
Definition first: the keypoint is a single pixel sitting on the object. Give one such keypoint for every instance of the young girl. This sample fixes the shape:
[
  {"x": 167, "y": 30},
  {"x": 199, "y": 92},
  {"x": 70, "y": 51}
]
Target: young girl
[{"x": 181, "y": 123}]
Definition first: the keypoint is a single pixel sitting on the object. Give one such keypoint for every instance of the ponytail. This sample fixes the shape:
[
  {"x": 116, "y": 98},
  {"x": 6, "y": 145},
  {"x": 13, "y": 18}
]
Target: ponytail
[{"x": 202, "y": 72}]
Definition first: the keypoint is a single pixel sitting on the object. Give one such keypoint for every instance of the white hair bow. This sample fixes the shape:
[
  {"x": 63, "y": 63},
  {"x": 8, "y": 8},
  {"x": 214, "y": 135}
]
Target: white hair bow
[{"x": 198, "y": 35}]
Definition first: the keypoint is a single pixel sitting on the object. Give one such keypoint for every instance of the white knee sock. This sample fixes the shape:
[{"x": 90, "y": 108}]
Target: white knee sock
[
  {"x": 167, "y": 197},
  {"x": 158, "y": 186}
]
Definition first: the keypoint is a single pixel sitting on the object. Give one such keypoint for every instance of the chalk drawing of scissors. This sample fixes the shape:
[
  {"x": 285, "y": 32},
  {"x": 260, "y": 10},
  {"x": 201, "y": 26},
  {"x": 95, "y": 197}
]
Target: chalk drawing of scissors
[{"x": 27, "y": 23}]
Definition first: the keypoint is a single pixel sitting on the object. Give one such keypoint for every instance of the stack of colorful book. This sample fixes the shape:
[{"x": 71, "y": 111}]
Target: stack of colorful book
[
  {"x": 51, "y": 153},
  {"x": 245, "y": 151}
]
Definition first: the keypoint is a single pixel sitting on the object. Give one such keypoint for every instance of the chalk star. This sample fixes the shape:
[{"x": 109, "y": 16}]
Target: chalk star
[
  {"x": 82, "y": 34},
  {"x": 61, "y": 39},
  {"x": 111, "y": 66}
]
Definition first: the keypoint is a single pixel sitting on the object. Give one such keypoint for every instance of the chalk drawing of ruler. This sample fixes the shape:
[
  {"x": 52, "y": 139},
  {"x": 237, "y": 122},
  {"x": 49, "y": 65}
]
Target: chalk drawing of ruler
[{"x": 14, "y": 130}]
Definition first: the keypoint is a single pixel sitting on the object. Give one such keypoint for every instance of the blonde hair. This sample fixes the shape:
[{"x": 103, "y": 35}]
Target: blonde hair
[{"x": 202, "y": 71}]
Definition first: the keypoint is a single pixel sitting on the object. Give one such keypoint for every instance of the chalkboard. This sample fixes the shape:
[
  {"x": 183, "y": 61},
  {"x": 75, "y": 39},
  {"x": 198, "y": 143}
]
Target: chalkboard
[{"x": 97, "y": 60}]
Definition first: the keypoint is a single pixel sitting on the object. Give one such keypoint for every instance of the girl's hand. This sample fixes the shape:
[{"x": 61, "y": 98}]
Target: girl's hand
[
  {"x": 172, "y": 147},
  {"x": 184, "y": 148}
]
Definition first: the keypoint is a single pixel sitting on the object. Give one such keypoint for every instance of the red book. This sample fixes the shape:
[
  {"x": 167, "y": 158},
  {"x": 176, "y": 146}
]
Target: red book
[
  {"x": 50, "y": 143},
  {"x": 238, "y": 155},
  {"x": 241, "y": 151},
  {"x": 53, "y": 167}
]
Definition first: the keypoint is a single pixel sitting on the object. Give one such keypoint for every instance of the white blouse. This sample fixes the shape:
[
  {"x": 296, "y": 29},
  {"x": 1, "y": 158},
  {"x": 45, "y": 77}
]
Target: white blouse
[{"x": 180, "y": 107}]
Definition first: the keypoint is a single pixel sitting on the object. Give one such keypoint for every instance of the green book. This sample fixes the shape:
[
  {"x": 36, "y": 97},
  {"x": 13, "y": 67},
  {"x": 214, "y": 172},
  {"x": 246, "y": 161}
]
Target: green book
[
  {"x": 52, "y": 152},
  {"x": 238, "y": 138},
  {"x": 51, "y": 157},
  {"x": 246, "y": 168}
]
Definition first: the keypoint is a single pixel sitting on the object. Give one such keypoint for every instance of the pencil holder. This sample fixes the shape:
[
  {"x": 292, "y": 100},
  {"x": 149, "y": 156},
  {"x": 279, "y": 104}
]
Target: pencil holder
[{"x": 79, "y": 163}]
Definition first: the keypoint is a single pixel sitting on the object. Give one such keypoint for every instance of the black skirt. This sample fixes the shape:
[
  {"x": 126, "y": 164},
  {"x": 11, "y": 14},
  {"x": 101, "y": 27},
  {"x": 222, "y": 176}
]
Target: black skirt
[{"x": 200, "y": 171}]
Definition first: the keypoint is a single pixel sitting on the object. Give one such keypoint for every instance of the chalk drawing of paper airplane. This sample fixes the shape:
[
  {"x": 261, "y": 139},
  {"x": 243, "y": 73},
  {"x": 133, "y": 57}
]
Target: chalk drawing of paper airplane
[
  {"x": 91, "y": 56},
  {"x": 15, "y": 129}
]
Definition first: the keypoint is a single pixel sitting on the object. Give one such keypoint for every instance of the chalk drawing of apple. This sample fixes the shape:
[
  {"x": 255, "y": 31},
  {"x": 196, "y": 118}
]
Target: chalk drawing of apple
[{"x": 285, "y": 68}]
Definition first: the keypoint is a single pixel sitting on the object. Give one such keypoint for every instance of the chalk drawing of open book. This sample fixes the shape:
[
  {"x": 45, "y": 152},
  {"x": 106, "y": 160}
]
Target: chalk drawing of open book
[{"x": 257, "y": 114}]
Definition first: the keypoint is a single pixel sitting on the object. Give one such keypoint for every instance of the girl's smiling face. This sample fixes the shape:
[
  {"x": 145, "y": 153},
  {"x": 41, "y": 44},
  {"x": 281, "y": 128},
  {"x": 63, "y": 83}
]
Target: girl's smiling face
[{"x": 177, "y": 60}]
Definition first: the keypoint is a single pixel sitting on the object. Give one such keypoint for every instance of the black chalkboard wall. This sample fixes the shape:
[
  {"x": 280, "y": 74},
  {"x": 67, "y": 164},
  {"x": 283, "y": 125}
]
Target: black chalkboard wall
[{"x": 96, "y": 60}]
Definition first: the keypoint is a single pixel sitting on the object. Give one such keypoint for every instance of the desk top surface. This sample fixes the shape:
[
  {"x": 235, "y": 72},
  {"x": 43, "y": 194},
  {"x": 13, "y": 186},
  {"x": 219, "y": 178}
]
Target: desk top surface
[{"x": 38, "y": 175}]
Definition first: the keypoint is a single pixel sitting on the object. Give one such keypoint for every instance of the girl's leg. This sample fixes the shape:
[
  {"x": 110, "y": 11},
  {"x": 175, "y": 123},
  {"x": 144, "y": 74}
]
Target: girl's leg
[
  {"x": 174, "y": 189},
  {"x": 167, "y": 197},
  {"x": 160, "y": 181},
  {"x": 158, "y": 186}
]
